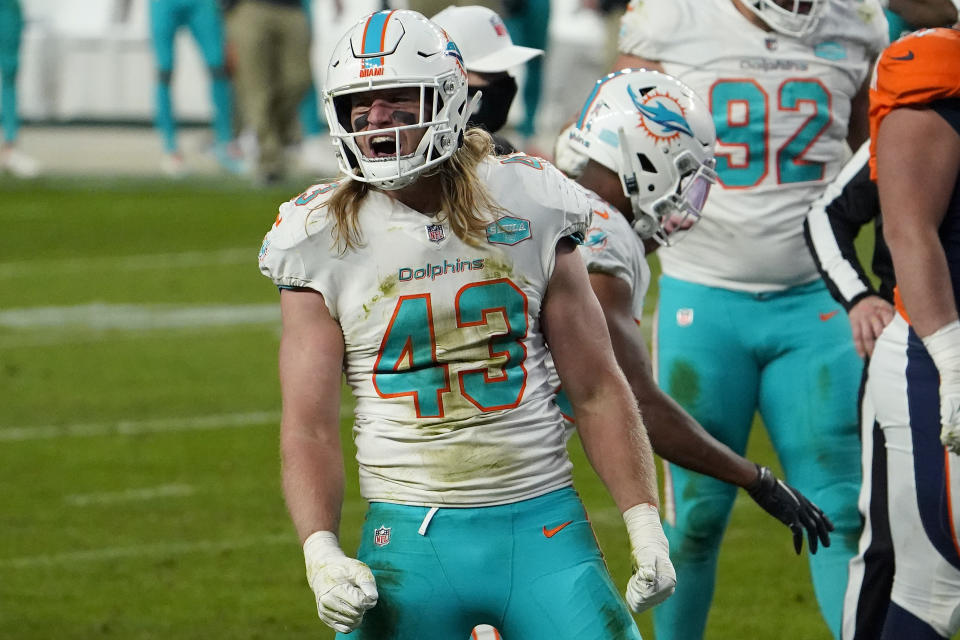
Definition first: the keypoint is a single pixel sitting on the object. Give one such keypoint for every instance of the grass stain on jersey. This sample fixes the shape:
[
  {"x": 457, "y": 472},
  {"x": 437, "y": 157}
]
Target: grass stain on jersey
[
  {"x": 387, "y": 288},
  {"x": 683, "y": 383},
  {"x": 495, "y": 268},
  {"x": 468, "y": 460},
  {"x": 465, "y": 349}
]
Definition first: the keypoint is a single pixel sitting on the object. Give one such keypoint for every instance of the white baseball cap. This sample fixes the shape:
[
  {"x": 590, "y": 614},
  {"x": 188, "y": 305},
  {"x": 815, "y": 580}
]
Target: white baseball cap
[{"x": 483, "y": 39}]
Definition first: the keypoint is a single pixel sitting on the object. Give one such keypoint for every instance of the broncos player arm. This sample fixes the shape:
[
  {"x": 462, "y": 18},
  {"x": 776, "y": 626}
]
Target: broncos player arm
[
  {"x": 609, "y": 425},
  {"x": 677, "y": 437},
  {"x": 311, "y": 365},
  {"x": 914, "y": 196}
]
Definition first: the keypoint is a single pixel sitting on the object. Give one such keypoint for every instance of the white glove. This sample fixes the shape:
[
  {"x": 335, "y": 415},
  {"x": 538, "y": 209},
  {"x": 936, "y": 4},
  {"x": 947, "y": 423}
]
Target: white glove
[
  {"x": 344, "y": 587},
  {"x": 943, "y": 345},
  {"x": 655, "y": 578}
]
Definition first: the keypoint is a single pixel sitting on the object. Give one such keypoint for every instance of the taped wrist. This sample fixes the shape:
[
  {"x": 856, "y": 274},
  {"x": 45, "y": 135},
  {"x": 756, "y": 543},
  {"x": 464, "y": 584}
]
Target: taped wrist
[
  {"x": 943, "y": 345},
  {"x": 319, "y": 548},
  {"x": 643, "y": 526}
]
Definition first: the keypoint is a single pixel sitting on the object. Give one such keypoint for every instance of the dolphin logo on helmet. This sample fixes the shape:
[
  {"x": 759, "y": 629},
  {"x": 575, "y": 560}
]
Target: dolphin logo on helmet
[
  {"x": 666, "y": 163},
  {"x": 660, "y": 113}
]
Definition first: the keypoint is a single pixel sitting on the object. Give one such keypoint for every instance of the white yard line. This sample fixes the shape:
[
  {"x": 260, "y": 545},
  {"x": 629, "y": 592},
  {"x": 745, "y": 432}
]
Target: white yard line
[
  {"x": 129, "y": 263},
  {"x": 135, "y": 427},
  {"x": 100, "y": 317},
  {"x": 129, "y": 495},
  {"x": 143, "y": 551}
]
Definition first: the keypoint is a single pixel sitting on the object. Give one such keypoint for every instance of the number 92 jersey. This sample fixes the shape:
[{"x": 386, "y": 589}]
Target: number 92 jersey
[
  {"x": 444, "y": 350},
  {"x": 781, "y": 106}
]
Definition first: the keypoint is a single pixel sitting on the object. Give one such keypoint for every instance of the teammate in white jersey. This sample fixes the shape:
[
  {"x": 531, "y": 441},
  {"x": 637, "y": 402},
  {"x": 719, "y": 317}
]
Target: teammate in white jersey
[
  {"x": 434, "y": 274},
  {"x": 649, "y": 140},
  {"x": 744, "y": 322}
]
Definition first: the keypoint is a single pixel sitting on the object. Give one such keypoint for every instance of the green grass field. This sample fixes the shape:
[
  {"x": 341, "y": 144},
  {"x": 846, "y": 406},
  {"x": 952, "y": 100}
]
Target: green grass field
[{"x": 139, "y": 473}]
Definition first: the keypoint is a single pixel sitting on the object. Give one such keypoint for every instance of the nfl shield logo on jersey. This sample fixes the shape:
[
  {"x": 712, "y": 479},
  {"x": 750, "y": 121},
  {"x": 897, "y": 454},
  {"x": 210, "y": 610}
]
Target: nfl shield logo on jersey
[
  {"x": 435, "y": 232},
  {"x": 684, "y": 317},
  {"x": 381, "y": 536}
]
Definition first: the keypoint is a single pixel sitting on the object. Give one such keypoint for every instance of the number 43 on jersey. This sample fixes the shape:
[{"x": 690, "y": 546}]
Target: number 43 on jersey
[{"x": 409, "y": 363}]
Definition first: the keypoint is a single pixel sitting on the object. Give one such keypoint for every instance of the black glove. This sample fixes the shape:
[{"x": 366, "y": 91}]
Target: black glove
[{"x": 790, "y": 507}]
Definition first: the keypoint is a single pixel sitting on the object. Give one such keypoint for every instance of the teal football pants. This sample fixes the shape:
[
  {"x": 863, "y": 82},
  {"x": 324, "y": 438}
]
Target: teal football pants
[
  {"x": 11, "y": 26},
  {"x": 528, "y": 28},
  {"x": 493, "y": 565},
  {"x": 724, "y": 355},
  {"x": 204, "y": 20},
  {"x": 309, "y": 109}
]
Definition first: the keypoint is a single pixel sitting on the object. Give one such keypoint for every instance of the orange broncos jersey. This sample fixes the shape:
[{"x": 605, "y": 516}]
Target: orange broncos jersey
[{"x": 917, "y": 69}]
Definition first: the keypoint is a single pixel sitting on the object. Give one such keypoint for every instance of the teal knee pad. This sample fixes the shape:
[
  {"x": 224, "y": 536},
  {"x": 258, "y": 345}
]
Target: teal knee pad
[{"x": 702, "y": 515}]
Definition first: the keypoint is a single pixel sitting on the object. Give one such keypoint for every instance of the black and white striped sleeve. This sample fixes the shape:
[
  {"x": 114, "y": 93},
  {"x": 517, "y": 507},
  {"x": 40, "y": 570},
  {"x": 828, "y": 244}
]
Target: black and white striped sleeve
[{"x": 833, "y": 223}]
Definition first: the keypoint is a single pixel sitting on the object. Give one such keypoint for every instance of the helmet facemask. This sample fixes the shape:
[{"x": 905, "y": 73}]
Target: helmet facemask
[
  {"x": 412, "y": 54},
  {"x": 795, "y": 18},
  {"x": 662, "y": 218},
  {"x": 657, "y": 136},
  {"x": 440, "y": 137}
]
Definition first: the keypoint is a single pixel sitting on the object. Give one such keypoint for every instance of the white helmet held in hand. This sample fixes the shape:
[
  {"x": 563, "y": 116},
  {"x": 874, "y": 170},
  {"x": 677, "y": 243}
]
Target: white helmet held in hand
[
  {"x": 658, "y": 136},
  {"x": 794, "y": 18},
  {"x": 390, "y": 50}
]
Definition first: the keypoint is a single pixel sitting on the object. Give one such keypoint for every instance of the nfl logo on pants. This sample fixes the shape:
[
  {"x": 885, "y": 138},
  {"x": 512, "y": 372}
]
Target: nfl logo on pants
[{"x": 381, "y": 536}]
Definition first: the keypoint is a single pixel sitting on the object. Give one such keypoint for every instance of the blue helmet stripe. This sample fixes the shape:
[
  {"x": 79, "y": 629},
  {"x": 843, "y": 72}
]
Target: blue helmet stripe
[
  {"x": 373, "y": 36},
  {"x": 593, "y": 94}
]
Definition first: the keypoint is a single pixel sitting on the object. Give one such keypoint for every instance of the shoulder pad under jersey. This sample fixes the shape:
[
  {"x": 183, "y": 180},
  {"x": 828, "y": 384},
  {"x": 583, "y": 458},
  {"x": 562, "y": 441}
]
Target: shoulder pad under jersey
[
  {"x": 533, "y": 188},
  {"x": 302, "y": 223}
]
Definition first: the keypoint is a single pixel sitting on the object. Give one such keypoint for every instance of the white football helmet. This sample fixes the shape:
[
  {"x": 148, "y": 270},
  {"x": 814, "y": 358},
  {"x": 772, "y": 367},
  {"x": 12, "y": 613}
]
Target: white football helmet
[
  {"x": 794, "y": 18},
  {"x": 657, "y": 135},
  {"x": 390, "y": 50}
]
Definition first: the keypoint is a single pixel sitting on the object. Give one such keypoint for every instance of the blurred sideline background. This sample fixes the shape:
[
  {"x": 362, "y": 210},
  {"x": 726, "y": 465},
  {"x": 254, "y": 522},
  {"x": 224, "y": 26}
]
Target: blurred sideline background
[
  {"x": 86, "y": 83},
  {"x": 139, "y": 401}
]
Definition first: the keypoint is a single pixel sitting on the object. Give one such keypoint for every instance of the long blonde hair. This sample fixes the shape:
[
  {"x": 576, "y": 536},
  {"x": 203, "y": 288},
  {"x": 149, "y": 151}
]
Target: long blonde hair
[{"x": 465, "y": 201}]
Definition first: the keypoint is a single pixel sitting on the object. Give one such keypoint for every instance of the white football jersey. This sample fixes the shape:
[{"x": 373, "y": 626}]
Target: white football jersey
[
  {"x": 781, "y": 108},
  {"x": 444, "y": 349},
  {"x": 610, "y": 247}
]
